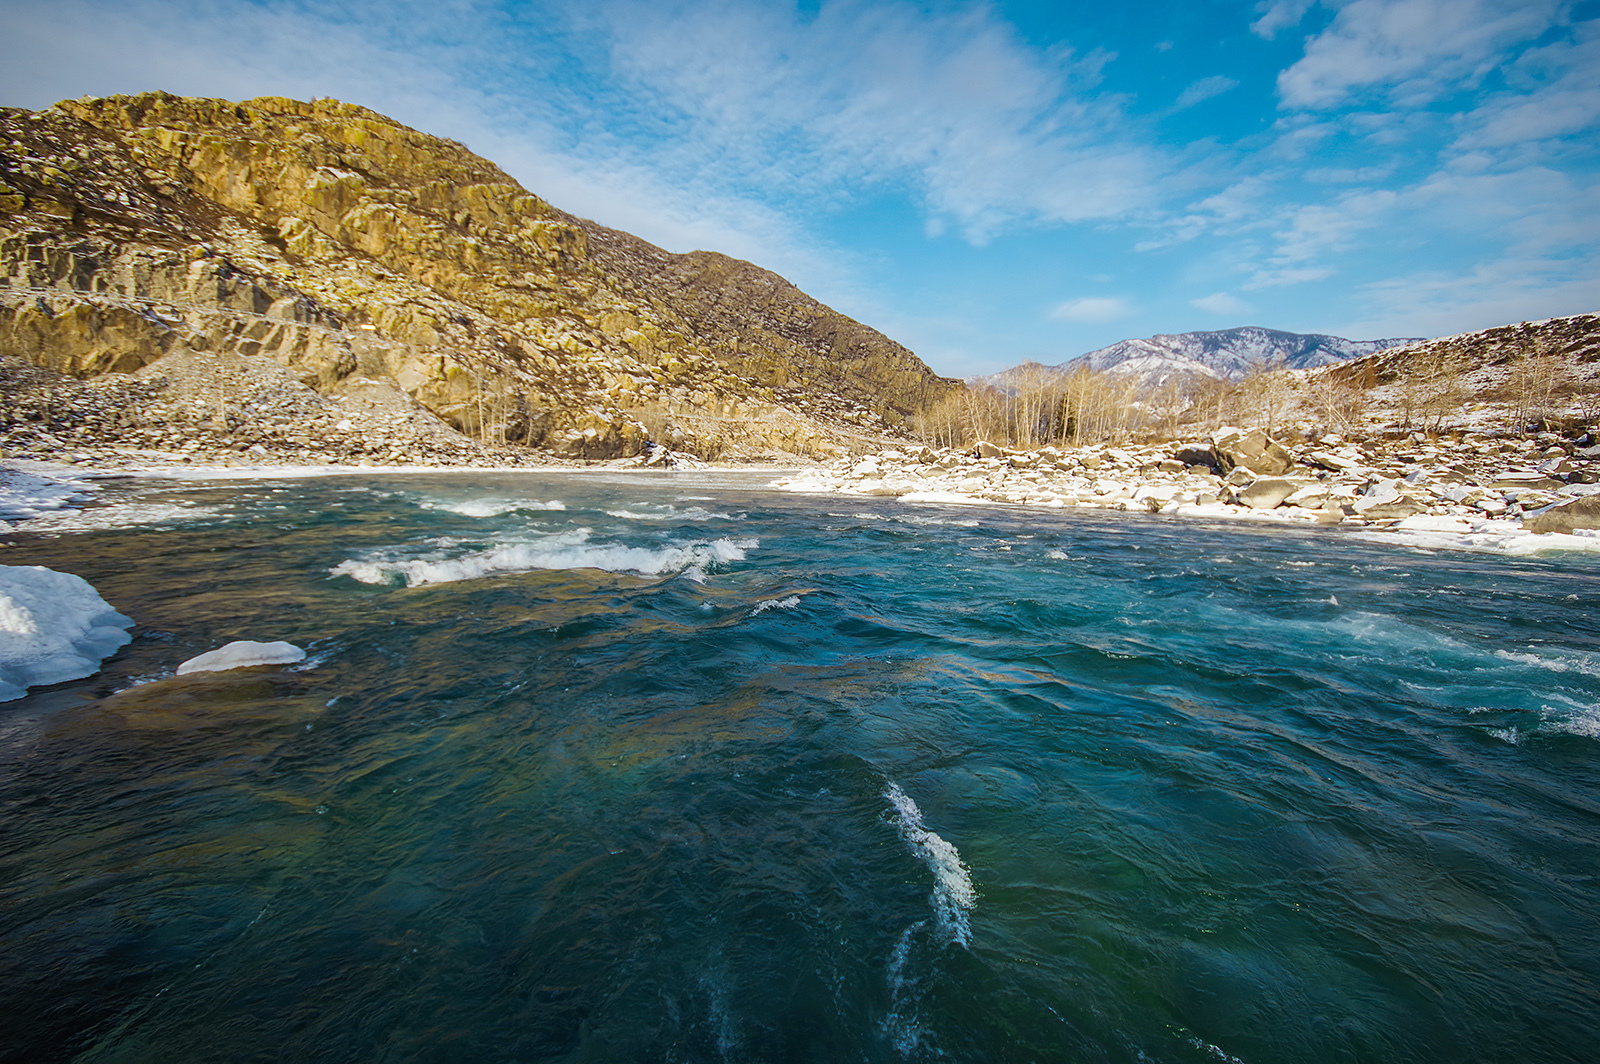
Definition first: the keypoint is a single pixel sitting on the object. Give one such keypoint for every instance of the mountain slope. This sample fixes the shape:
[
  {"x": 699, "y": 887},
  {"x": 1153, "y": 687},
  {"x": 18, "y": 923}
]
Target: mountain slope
[
  {"x": 1226, "y": 354},
  {"x": 345, "y": 245}
]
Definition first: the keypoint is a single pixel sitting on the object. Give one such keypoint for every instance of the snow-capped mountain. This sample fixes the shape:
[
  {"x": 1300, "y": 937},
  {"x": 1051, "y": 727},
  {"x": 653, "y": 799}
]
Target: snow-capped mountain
[{"x": 1226, "y": 354}]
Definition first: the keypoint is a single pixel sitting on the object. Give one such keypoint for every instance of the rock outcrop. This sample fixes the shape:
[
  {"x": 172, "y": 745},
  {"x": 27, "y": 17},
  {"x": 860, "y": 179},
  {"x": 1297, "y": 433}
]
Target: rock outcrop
[{"x": 343, "y": 246}]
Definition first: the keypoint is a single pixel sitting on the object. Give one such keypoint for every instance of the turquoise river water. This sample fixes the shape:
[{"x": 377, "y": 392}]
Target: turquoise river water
[{"x": 675, "y": 768}]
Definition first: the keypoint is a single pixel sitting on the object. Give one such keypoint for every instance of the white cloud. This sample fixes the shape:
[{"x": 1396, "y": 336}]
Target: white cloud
[
  {"x": 1284, "y": 276},
  {"x": 1223, "y": 304},
  {"x": 1278, "y": 15},
  {"x": 1203, "y": 90},
  {"x": 1414, "y": 50},
  {"x": 1555, "y": 92},
  {"x": 1532, "y": 211},
  {"x": 1091, "y": 309},
  {"x": 1442, "y": 302},
  {"x": 989, "y": 132}
]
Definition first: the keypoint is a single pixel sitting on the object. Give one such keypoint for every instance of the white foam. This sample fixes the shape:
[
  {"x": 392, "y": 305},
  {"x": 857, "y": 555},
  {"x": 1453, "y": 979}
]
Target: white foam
[
  {"x": 776, "y": 604},
  {"x": 243, "y": 654},
  {"x": 493, "y": 507},
  {"x": 121, "y": 515},
  {"x": 1582, "y": 664},
  {"x": 567, "y": 550},
  {"x": 1059, "y": 555},
  {"x": 920, "y": 519},
  {"x": 1586, "y": 724},
  {"x": 903, "y": 1030},
  {"x": 53, "y": 627},
  {"x": 648, "y": 512},
  {"x": 953, "y": 895}
]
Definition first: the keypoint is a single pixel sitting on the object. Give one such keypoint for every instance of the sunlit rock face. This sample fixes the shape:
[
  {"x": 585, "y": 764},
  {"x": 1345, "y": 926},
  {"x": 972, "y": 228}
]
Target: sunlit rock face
[{"x": 342, "y": 244}]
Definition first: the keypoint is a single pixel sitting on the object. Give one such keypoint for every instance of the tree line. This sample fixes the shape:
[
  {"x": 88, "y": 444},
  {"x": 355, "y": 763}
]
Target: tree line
[{"x": 1428, "y": 386}]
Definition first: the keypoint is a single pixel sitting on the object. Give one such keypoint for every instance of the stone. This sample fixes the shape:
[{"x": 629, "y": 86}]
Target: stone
[
  {"x": 985, "y": 449},
  {"x": 1252, "y": 449},
  {"x": 1309, "y": 495},
  {"x": 1335, "y": 462},
  {"x": 1384, "y": 500},
  {"x": 1525, "y": 480},
  {"x": 1568, "y": 516},
  {"x": 1266, "y": 492},
  {"x": 1198, "y": 454}
]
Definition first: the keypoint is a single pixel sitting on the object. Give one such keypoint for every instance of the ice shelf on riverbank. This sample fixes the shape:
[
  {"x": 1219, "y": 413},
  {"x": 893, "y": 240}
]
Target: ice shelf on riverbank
[
  {"x": 32, "y": 489},
  {"x": 53, "y": 627}
]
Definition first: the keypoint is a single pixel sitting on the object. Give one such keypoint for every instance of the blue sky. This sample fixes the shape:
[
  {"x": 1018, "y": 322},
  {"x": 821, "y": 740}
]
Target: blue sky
[{"x": 984, "y": 182}]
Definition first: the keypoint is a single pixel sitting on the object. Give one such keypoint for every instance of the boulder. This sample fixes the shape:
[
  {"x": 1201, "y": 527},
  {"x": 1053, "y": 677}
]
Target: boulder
[
  {"x": 1253, "y": 449},
  {"x": 1525, "y": 479},
  {"x": 985, "y": 449},
  {"x": 1336, "y": 462},
  {"x": 1267, "y": 492},
  {"x": 1313, "y": 496},
  {"x": 1198, "y": 454},
  {"x": 1568, "y": 516},
  {"x": 1384, "y": 500}
]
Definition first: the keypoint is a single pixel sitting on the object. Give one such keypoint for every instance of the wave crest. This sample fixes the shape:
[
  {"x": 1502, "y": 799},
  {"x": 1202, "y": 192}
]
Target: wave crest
[
  {"x": 953, "y": 895},
  {"x": 568, "y": 550}
]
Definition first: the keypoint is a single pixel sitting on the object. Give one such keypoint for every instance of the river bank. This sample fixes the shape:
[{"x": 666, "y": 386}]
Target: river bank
[{"x": 1471, "y": 492}]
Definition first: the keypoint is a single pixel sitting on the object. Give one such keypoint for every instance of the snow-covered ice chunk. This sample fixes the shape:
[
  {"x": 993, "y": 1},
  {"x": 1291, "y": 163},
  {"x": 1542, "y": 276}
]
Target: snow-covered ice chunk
[
  {"x": 243, "y": 653},
  {"x": 53, "y": 627}
]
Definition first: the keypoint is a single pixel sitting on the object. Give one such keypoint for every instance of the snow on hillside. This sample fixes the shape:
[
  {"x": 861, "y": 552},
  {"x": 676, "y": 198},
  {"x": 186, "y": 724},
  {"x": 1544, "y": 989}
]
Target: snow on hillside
[{"x": 1226, "y": 354}]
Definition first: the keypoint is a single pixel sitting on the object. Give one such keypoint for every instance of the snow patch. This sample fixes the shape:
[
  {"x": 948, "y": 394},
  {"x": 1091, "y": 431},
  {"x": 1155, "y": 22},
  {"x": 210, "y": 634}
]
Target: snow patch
[{"x": 1488, "y": 537}]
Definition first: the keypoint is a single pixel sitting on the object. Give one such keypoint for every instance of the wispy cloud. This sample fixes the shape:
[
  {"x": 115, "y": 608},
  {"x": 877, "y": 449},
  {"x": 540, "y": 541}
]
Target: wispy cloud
[
  {"x": 1091, "y": 309},
  {"x": 1411, "y": 50},
  {"x": 1278, "y": 15},
  {"x": 1439, "y": 302},
  {"x": 1223, "y": 304},
  {"x": 989, "y": 132},
  {"x": 1554, "y": 92},
  {"x": 1204, "y": 89}
]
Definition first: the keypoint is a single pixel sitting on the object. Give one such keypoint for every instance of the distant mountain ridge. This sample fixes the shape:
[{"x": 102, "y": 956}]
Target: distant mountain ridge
[{"x": 1223, "y": 354}]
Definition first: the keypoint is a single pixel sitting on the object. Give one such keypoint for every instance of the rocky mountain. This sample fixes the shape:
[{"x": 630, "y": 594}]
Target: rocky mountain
[
  {"x": 1226, "y": 354},
  {"x": 276, "y": 245}
]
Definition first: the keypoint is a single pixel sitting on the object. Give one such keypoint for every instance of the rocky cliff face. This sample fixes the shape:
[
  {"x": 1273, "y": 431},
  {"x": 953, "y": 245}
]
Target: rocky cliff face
[{"x": 138, "y": 231}]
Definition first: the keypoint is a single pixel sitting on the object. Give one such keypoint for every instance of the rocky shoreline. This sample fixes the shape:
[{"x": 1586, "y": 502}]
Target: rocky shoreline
[{"x": 1466, "y": 485}]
